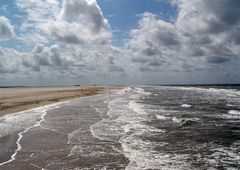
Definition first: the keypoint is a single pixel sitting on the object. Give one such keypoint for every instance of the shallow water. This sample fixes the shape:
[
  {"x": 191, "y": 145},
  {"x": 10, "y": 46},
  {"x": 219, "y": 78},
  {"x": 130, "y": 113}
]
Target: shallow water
[{"x": 132, "y": 128}]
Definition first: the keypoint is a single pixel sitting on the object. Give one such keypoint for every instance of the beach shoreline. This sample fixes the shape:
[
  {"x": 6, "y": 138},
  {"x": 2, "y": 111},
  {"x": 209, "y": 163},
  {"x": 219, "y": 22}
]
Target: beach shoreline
[
  {"x": 59, "y": 136},
  {"x": 19, "y": 99}
]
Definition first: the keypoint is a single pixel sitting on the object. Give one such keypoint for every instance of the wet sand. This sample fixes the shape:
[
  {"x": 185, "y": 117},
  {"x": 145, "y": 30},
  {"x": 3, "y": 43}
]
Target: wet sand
[{"x": 19, "y": 99}]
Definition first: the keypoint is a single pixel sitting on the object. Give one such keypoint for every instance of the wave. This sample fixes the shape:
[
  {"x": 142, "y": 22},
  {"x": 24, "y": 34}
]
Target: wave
[
  {"x": 126, "y": 124},
  {"x": 217, "y": 91},
  {"x": 136, "y": 107},
  {"x": 234, "y": 112},
  {"x": 186, "y": 121},
  {"x": 141, "y": 91},
  {"x": 161, "y": 117},
  {"x": 186, "y": 105},
  {"x": 123, "y": 91}
]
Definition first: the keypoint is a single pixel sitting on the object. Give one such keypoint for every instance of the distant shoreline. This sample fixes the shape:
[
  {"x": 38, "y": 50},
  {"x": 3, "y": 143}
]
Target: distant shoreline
[
  {"x": 83, "y": 86},
  {"x": 23, "y": 98}
]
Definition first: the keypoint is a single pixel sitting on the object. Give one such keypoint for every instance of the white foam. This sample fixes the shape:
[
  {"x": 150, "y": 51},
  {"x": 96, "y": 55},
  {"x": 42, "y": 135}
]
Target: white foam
[
  {"x": 181, "y": 120},
  {"x": 136, "y": 107},
  {"x": 234, "y": 112},
  {"x": 215, "y": 91},
  {"x": 230, "y": 116},
  {"x": 141, "y": 91},
  {"x": 186, "y": 105},
  {"x": 111, "y": 128},
  {"x": 126, "y": 123},
  {"x": 139, "y": 129},
  {"x": 160, "y": 117},
  {"x": 108, "y": 130},
  {"x": 142, "y": 155},
  {"x": 124, "y": 90},
  {"x": 177, "y": 120},
  {"x": 109, "y": 112}
]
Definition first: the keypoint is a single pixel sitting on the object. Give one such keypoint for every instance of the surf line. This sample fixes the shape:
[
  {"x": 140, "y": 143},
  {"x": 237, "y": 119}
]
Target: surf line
[{"x": 20, "y": 136}]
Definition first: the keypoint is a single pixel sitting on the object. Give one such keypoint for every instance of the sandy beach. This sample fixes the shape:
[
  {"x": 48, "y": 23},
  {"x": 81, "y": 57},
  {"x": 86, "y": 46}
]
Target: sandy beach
[{"x": 19, "y": 99}]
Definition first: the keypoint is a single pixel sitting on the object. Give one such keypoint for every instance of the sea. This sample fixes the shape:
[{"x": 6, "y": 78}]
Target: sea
[{"x": 132, "y": 128}]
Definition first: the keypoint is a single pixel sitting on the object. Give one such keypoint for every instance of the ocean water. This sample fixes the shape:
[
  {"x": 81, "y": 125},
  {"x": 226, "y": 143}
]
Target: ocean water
[
  {"x": 175, "y": 127},
  {"x": 145, "y": 127}
]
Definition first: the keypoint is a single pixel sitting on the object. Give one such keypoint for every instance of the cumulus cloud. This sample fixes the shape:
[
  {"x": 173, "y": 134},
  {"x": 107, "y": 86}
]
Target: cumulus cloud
[
  {"x": 81, "y": 22},
  {"x": 102, "y": 59},
  {"x": 36, "y": 15},
  {"x": 154, "y": 43},
  {"x": 69, "y": 38},
  {"x": 69, "y": 21},
  {"x": 155, "y": 32},
  {"x": 10, "y": 61},
  {"x": 42, "y": 57},
  {"x": 203, "y": 33},
  {"x": 72, "y": 38},
  {"x": 209, "y": 28},
  {"x": 6, "y": 29},
  {"x": 65, "y": 61},
  {"x": 113, "y": 67},
  {"x": 63, "y": 38}
]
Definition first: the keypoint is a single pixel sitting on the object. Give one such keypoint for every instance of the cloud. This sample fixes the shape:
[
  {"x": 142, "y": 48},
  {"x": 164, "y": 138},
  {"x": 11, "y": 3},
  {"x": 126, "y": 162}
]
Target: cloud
[
  {"x": 161, "y": 32},
  {"x": 113, "y": 67},
  {"x": 30, "y": 39},
  {"x": 34, "y": 20},
  {"x": 81, "y": 22},
  {"x": 153, "y": 32},
  {"x": 203, "y": 33},
  {"x": 218, "y": 60},
  {"x": 204, "y": 16},
  {"x": 6, "y": 29},
  {"x": 64, "y": 61},
  {"x": 208, "y": 27},
  {"x": 10, "y": 61},
  {"x": 71, "y": 39},
  {"x": 43, "y": 57},
  {"x": 69, "y": 21},
  {"x": 154, "y": 43}
]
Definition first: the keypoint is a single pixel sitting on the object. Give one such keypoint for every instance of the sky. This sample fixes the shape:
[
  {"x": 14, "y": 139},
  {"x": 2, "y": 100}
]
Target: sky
[{"x": 68, "y": 42}]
